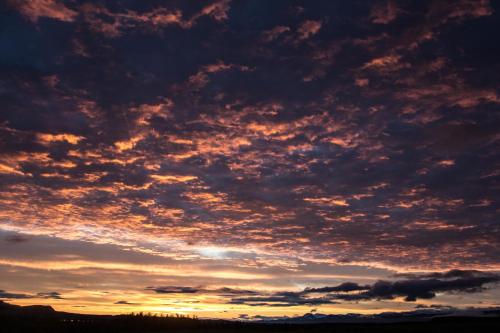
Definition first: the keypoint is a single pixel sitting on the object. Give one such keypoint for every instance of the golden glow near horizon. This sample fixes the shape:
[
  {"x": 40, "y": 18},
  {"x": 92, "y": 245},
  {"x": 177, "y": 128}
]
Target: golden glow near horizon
[{"x": 112, "y": 279}]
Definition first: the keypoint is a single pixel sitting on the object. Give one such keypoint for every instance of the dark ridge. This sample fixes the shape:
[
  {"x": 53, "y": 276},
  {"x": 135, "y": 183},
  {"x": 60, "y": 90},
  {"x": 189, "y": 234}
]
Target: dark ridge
[{"x": 31, "y": 310}]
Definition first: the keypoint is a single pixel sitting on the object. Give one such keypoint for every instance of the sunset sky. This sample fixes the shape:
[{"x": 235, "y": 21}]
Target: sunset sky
[{"x": 247, "y": 158}]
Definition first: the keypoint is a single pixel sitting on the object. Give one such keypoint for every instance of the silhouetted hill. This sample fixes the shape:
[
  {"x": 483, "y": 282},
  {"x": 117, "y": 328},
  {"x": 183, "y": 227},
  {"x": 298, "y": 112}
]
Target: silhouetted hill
[
  {"x": 31, "y": 310},
  {"x": 387, "y": 317},
  {"x": 43, "y": 319}
]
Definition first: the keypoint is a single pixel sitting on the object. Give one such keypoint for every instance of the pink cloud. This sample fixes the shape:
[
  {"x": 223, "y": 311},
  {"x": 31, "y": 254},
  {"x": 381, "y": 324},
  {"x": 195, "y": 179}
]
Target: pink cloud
[
  {"x": 218, "y": 10},
  {"x": 35, "y": 9},
  {"x": 308, "y": 29},
  {"x": 116, "y": 22},
  {"x": 272, "y": 34},
  {"x": 362, "y": 82}
]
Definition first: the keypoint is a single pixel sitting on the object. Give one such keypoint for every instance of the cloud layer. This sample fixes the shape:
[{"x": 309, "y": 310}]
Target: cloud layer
[{"x": 247, "y": 140}]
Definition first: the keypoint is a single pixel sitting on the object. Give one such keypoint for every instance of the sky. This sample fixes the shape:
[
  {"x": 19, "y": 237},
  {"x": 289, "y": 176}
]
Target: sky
[{"x": 249, "y": 159}]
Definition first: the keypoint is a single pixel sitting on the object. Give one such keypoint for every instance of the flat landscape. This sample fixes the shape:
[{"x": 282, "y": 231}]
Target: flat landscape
[{"x": 45, "y": 319}]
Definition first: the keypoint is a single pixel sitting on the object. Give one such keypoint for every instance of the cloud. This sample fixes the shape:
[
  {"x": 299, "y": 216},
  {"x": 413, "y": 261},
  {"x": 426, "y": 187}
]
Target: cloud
[
  {"x": 223, "y": 291},
  {"x": 344, "y": 287},
  {"x": 52, "y": 9},
  {"x": 308, "y": 28},
  {"x": 463, "y": 9},
  {"x": 6, "y": 295},
  {"x": 424, "y": 286},
  {"x": 414, "y": 287},
  {"x": 45, "y": 295},
  {"x": 412, "y": 290},
  {"x": 281, "y": 300},
  {"x": 201, "y": 78},
  {"x": 386, "y": 64},
  {"x": 113, "y": 24},
  {"x": 217, "y": 9},
  {"x": 274, "y": 33},
  {"x": 51, "y": 295},
  {"x": 125, "y": 303},
  {"x": 454, "y": 273},
  {"x": 174, "y": 290}
]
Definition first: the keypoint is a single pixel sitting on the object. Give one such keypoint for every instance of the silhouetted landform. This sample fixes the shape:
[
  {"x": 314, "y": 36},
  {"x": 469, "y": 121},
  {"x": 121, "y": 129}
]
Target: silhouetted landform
[
  {"x": 419, "y": 315},
  {"x": 38, "y": 319}
]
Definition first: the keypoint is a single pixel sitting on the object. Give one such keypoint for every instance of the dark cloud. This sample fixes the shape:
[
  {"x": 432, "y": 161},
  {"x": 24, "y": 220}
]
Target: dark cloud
[
  {"x": 125, "y": 303},
  {"x": 7, "y": 295},
  {"x": 47, "y": 295},
  {"x": 427, "y": 287},
  {"x": 51, "y": 294},
  {"x": 434, "y": 306},
  {"x": 281, "y": 300},
  {"x": 454, "y": 273},
  {"x": 424, "y": 286},
  {"x": 344, "y": 287},
  {"x": 174, "y": 290},
  {"x": 225, "y": 291}
]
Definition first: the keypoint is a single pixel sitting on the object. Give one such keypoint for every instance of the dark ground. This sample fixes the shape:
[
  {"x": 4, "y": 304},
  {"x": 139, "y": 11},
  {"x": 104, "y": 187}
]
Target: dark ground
[
  {"x": 14, "y": 324},
  {"x": 34, "y": 319}
]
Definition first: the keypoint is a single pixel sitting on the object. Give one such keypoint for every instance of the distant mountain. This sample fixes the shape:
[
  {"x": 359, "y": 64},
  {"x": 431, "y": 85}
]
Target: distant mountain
[
  {"x": 31, "y": 310},
  {"x": 384, "y": 317}
]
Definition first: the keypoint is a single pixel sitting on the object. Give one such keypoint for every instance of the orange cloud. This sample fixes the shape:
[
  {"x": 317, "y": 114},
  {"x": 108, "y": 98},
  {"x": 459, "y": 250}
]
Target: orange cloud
[
  {"x": 46, "y": 138},
  {"x": 308, "y": 28},
  {"x": 328, "y": 201},
  {"x": 171, "y": 179},
  {"x": 54, "y": 9}
]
